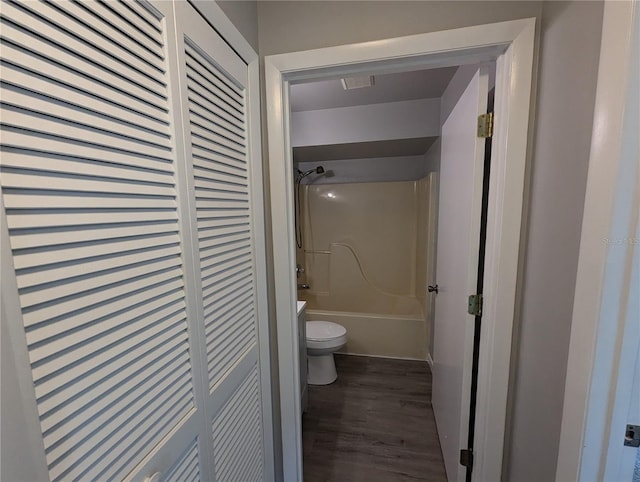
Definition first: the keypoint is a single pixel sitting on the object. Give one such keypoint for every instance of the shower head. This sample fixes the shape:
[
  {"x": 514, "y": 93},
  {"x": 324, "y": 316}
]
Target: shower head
[{"x": 317, "y": 170}]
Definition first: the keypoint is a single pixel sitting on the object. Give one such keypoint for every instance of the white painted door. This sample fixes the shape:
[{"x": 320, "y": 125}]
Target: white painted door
[
  {"x": 459, "y": 210},
  {"x": 213, "y": 81},
  {"x": 128, "y": 243},
  {"x": 99, "y": 288}
]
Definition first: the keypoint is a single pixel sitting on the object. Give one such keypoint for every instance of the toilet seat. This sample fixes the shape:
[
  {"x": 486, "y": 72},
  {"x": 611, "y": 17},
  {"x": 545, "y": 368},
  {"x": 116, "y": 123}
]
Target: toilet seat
[
  {"x": 325, "y": 335},
  {"x": 324, "y": 330}
]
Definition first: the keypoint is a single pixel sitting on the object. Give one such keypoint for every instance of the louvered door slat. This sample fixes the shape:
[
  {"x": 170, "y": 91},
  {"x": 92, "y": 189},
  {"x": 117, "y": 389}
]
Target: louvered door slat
[
  {"x": 27, "y": 32},
  {"x": 202, "y": 102},
  {"x": 237, "y": 423},
  {"x": 110, "y": 423},
  {"x": 61, "y": 145},
  {"x": 214, "y": 262},
  {"x": 111, "y": 283},
  {"x": 40, "y": 108},
  {"x": 90, "y": 82},
  {"x": 205, "y": 116},
  {"x": 214, "y": 158},
  {"x": 118, "y": 297},
  {"x": 47, "y": 25},
  {"x": 218, "y": 184},
  {"x": 57, "y": 200},
  {"x": 76, "y": 132},
  {"x": 33, "y": 160},
  {"x": 225, "y": 235},
  {"x": 111, "y": 448},
  {"x": 63, "y": 93},
  {"x": 208, "y": 194},
  {"x": 111, "y": 340},
  {"x": 209, "y": 81},
  {"x": 215, "y": 222},
  {"x": 204, "y": 167},
  {"x": 117, "y": 30},
  {"x": 186, "y": 469},
  {"x": 150, "y": 28},
  {"x": 97, "y": 381},
  {"x": 196, "y": 118},
  {"x": 91, "y": 200},
  {"x": 221, "y": 172},
  {"x": 88, "y": 218},
  {"x": 227, "y": 299},
  {"x": 82, "y": 417},
  {"x": 146, "y": 13},
  {"x": 212, "y": 93},
  {"x": 93, "y": 265},
  {"x": 196, "y": 56},
  {"x": 238, "y": 311},
  {"x": 229, "y": 283},
  {"x": 213, "y": 138},
  {"x": 98, "y": 235},
  {"x": 76, "y": 253}
]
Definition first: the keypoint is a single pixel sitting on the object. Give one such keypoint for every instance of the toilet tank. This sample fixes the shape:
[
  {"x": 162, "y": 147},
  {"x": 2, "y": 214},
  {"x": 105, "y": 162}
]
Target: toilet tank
[{"x": 302, "y": 346}]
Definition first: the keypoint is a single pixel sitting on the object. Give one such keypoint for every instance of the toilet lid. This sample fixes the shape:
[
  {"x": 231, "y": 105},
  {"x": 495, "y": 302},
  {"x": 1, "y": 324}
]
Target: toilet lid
[{"x": 324, "y": 330}]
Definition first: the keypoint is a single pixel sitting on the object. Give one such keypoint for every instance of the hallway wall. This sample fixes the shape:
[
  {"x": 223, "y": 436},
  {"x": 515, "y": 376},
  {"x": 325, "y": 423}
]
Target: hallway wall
[{"x": 569, "y": 54}]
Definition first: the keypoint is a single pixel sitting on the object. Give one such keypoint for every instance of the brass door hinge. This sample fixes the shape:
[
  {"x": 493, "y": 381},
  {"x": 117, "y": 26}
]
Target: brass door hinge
[
  {"x": 485, "y": 125},
  {"x": 475, "y": 305}
]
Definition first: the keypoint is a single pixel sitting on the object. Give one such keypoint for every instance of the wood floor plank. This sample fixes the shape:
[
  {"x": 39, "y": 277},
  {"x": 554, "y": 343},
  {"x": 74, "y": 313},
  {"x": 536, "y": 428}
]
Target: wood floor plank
[{"x": 375, "y": 423}]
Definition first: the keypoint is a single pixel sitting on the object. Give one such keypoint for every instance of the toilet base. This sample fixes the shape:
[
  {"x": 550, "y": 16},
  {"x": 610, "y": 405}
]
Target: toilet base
[{"x": 322, "y": 369}]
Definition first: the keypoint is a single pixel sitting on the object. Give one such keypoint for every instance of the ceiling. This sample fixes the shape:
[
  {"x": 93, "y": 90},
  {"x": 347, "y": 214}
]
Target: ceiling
[{"x": 328, "y": 94}]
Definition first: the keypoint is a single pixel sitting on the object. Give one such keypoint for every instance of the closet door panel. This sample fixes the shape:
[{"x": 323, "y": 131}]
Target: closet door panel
[
  {"x": 95, "y": 225},
  {"x": 214, "y": 103}
]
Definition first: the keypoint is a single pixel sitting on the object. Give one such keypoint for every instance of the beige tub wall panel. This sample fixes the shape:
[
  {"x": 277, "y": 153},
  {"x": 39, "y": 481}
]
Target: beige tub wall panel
[
  {"x": 379, "y": 335},
  {"x": 422, "y": 247},
  {"x": 376, "y": 219},
  {"x": 422, "y": 197},
  {"x": 317, "y": 270},
  {"x": 349, "y": 290}
]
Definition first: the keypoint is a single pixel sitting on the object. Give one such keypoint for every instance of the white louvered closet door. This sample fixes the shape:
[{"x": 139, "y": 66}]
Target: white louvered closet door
[
  {"x": 95, "y": 211},
  {"x": 214, "y": 94}
]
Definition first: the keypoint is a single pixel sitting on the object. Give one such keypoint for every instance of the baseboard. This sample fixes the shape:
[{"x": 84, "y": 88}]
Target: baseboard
[
  {"x": 429, "y": 360},
  {"x": 384, "y": 356}
]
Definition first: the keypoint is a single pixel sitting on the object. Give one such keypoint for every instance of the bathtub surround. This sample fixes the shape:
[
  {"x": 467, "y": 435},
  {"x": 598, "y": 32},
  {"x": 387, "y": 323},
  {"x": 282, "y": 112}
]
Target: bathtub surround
[{"x": 365, "y": 263}]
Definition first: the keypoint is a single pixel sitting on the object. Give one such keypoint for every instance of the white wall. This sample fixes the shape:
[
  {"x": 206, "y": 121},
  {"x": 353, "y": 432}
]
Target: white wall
[
  {"x": 379, "y": 169},
  {"x": 366, "y": 123},
  {"x": 568, "y": 68},
  {"x": 570, "y": 36},
  {"x": 244, "y": 15},
  {"x": 286, "y": 26},
  {"x": 432, "y": 158}
]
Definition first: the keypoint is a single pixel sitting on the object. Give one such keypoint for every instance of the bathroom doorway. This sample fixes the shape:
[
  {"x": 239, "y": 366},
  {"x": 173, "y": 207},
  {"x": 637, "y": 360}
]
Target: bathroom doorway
[{"x": 442, "y": 49}]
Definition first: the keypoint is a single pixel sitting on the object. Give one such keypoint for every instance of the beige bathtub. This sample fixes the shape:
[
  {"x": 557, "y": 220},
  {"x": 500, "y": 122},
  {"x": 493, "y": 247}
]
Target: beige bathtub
[{"x": 385, "y": 335}]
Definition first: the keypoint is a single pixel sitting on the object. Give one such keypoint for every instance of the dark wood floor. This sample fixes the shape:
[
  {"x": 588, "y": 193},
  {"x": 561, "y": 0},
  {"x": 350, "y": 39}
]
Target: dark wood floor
[{"x": 375, "y": 423}]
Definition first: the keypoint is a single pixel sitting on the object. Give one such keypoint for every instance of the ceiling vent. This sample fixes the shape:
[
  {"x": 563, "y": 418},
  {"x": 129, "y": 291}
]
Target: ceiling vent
[{"x": 358, "y": 82}]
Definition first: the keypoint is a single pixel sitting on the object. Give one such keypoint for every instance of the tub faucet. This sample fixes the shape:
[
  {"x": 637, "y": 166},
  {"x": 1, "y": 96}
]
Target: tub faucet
[
  {"x": 303, "y": 286},
  {"x": 299, "y": 270}
]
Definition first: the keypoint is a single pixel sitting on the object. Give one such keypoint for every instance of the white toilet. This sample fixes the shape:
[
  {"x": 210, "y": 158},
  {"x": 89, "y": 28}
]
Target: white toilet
[{"x": 323, "y": 339}]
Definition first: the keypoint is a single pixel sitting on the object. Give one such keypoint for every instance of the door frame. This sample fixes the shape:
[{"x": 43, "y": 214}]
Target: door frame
[
  {"x": 511, "y": 45},
  {"x": 602, "y": 337}
]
